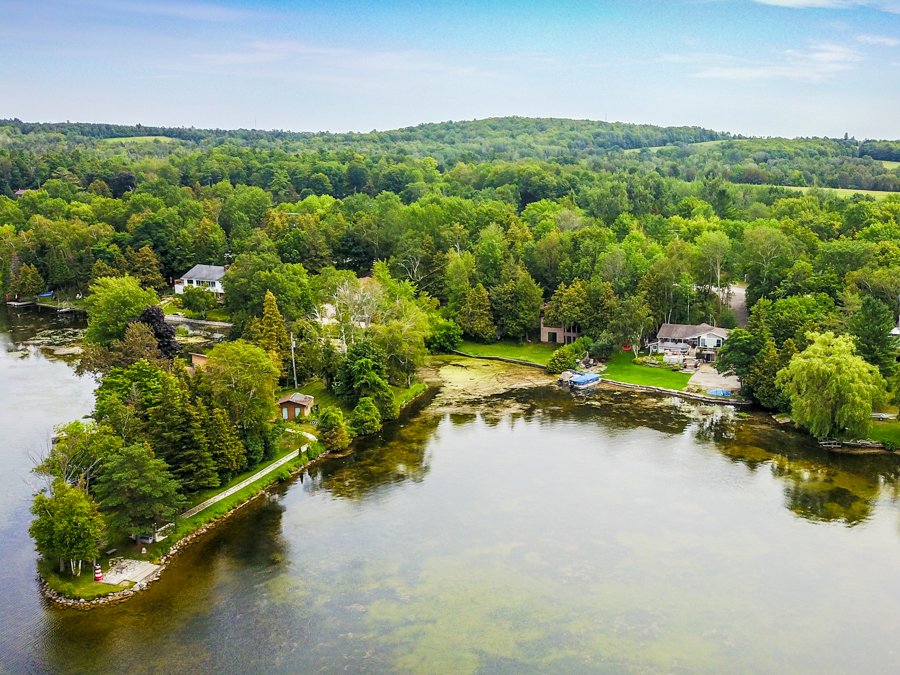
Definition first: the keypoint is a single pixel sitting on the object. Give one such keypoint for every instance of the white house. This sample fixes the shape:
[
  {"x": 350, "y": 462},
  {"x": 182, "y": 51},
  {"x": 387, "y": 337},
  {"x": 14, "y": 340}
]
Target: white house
[{"x": 207, "y": 277}]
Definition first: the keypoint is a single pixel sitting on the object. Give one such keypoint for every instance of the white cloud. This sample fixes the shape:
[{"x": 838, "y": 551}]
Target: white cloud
[
  {"x": 878, "y": 40},
  {"x": 892, "y": 6},
  {"x": 816, "y": 63}
]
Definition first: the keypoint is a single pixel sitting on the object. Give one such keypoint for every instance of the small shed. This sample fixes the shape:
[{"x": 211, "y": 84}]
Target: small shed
[{"x": 295, "y": 406}]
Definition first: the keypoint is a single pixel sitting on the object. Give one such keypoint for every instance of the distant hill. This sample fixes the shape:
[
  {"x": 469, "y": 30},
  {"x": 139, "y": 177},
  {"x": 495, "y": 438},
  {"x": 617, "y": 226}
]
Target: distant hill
[{"x": 505, "y": 138}]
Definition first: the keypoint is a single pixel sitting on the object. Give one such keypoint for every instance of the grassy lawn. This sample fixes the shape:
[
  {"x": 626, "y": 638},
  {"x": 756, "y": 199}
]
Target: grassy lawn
[
  {"x": 890, "y": 165},
  {"x": 536, "y": 352},
  {"x": 82, "y": 586},
  {"x": 317, "y": 389},
  {"x": 403, "y": 395},
  {"x": 217, "y": 314},
  {"x": 621, "y": 369},
  {"x": 886, "y": 431}
]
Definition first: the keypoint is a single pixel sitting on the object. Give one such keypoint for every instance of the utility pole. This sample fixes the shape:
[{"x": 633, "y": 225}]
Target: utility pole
[{"x": 293, "y": 360}]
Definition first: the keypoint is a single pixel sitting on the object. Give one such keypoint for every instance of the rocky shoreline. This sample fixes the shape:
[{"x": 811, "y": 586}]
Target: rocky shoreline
[{"x": 120, "y": 596}]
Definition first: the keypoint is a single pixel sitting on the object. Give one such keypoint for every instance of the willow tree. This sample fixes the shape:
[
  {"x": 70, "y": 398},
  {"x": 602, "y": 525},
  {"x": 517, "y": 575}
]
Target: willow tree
[{"x": 832, "y": 390}]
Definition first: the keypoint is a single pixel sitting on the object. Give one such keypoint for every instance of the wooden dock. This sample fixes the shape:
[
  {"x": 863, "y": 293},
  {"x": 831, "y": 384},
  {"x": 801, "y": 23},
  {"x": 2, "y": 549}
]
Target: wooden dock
[{"x": 17, "y": 303}]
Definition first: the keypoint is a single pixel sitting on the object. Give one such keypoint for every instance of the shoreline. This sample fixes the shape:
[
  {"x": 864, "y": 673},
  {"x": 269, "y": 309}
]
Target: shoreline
[
  {"x": 435, "y": 381},
  {"x": 116, "y": 597}
]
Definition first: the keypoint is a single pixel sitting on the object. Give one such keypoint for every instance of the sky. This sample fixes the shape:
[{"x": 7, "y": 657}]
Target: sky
[{"x": 759, "y": 67}]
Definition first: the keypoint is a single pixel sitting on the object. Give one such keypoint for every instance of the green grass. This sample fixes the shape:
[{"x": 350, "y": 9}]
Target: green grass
[
  {"x": 82, "y": 586},
  {"x": 886, "y": 431},
  {"x": 403, "y": 395},
  {"x": 841, "y": 192},
  {"x": 536, "y": 352},
  {"x": 890, "y": 165},
  {"x": 318, "y": 390},
  {"x": 621, "y": 369},
  {"x": 132, "y": 140},
  {"x": 217, "y": 314}
]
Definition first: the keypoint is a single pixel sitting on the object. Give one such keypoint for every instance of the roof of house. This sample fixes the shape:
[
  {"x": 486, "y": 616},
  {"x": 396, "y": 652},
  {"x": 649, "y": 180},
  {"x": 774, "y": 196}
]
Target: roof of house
[
  {"x": 298, "y": 398},
  {"x": 205, "y": 273},
  {"x": 681, "y": 331},
  {"x": 20, "y": 192}
]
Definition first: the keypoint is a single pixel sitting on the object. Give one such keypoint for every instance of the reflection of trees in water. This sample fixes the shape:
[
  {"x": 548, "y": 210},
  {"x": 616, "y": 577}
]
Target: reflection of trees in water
[
  {"x": 255, "y": 537},
  {"x": 818, "y": 486},
  {"x": 398, "y": 455}
]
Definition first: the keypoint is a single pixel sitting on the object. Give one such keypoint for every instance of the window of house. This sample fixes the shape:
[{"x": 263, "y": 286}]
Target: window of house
[{"x": 284, "y": 412}]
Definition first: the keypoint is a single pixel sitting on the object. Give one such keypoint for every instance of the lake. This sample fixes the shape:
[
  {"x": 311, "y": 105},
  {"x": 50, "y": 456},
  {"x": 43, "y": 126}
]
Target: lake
[{"x": 523, "y": 531}]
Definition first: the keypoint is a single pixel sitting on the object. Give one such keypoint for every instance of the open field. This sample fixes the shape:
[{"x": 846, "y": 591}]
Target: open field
[
  {"x": 126, "y": 140},
  {"x": 537, "y": 352},
  {"x": 842, "y": 192},
  {"x": 701, "y": 144},
  {"x": 890, "y": 165},
  {"x": 621, "y": 369}
]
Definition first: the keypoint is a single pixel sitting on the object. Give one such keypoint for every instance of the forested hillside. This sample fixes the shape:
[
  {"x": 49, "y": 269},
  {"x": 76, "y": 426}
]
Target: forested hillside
[{"x": 615, "y": 241}]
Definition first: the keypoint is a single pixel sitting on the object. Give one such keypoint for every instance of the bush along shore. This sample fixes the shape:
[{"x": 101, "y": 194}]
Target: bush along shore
[{"x": 310, "y": 456}]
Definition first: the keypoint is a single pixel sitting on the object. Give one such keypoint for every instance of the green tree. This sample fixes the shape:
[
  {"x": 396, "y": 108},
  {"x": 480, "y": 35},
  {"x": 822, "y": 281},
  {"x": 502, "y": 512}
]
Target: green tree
[
  {"x": 240, "y": 377},
  {"x": 444, "y": 335},
  {"x": 832, "y": 390},
  {"x": 197, "y": 300},
  {"x": 137, "y": 492},
  {"x": 568, "y": 306},
  {"x": 474, "y": 315},
  {"x": 112, "y": 304},
  {"x": 516, "y": 302},
  {"x": 872, "y": 325},
  {"x": 27, "y": 282},
  {"x": 269, "y": 332},
  {"x": 333, "y": 429},
  {"x": 365, "y": 418},
  {"x": 762, "y": 378},
  {"x": 178, "y": 437},
  {"x": 67, "y": 526},
  {"x": 138, "y": 344},
  {"x": 633, "y": 321},
  {"x": 144, "y": 266},
  {"x": 78, "y": 454},
  {"x": 228, "y": 452}
]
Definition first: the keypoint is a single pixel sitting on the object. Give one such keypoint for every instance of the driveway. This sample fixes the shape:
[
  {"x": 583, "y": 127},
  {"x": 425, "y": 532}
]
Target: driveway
[{"x": 707, "y": 378}]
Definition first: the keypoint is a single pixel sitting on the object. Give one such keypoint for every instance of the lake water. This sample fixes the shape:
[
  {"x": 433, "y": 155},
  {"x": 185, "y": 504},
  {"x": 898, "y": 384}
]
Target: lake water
[{"x": 527, "y": 531}]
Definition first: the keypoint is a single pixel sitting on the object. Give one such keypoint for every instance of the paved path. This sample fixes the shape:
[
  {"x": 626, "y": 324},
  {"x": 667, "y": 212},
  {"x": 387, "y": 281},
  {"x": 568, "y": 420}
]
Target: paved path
[
  {"x": 244, "y": 483},
  {"x": 739, "y": 304}
]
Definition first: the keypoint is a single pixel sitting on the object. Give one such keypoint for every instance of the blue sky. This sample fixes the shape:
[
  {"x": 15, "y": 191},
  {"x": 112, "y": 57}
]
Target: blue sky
[{"x": 764, "y": 67}]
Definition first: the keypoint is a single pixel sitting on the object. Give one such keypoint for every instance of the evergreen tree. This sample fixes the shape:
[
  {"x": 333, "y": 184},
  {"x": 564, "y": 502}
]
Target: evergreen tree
[
  {"x": 178, "y": 437},
  {"x": 28, "y": 282},
  {"x": 225, "y": 445},
  {"x": 365, "y": 418},
  {"x": 474, "y": 315},
  {"x": 872, "y": 325},
  {"x": 763, "y": 373},
  {"x": 137, "y": 492},
  {"x": 269, "y": 332},
  {"x": 333, "y": 429}
]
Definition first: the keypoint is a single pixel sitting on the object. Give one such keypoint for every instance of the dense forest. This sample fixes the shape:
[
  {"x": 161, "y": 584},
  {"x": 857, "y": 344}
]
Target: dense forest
[{"x": 375, "y": 249}]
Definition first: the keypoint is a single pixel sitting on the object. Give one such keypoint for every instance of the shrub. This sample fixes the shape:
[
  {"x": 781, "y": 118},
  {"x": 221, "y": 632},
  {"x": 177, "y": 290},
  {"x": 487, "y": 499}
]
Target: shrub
[
  {"x": 444, "y": 336},
  {"x": 365, "y": 418}
]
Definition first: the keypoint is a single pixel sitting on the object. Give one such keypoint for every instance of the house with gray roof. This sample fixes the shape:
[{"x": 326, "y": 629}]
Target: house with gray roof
[
  {"x": 701, "y": 341},
  {"x": 205, "y": 277}
]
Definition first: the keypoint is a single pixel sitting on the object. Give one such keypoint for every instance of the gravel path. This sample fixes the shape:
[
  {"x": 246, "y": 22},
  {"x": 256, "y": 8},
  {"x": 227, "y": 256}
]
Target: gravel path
[{"x": 244, "y": 483}]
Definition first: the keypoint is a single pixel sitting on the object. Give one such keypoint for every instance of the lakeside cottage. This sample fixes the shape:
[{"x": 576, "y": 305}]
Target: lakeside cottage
[
  {"x": 561, "y": 335},
  {"x": 295, "y": 406},
  {"x": 207, "y": 277},
  {"x": 701, "y": 341}
]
